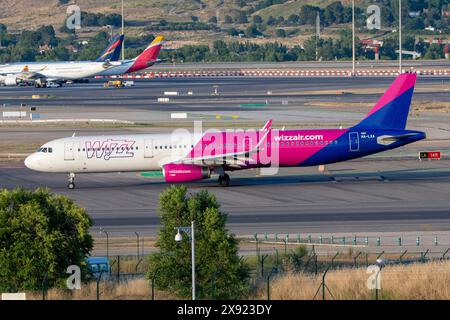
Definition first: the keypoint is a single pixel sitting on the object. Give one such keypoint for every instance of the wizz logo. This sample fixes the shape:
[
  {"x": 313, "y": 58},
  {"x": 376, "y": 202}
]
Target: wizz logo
[{"x": 110, "y": 149}]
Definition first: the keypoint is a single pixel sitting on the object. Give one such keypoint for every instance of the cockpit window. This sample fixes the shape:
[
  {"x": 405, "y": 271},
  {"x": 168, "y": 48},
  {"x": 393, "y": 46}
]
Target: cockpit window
[{"x": 45, "y": 150}]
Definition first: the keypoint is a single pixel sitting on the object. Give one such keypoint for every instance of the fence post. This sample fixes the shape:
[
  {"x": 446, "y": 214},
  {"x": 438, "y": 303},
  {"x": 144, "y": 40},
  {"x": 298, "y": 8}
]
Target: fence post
[
  {"x": 137, "y": 243},
  {"x": 137, "y": 264},
  {"x": 402, "y": 255},
  {"x": 263, "y": 257},
  {"x": 356, "y": 258},
  {"x": 443, "y": 256},
  {"x": 118, "y": 268},
  {"x": 323, "y": 286},
  {"x": 424, "y": 255},
  {"x": 44, "y": 286},
  {"x": 276, "y": 256},
  {"x": 274, "y": 270},
  {"x": 286, "y": 240},
  {"x": 315, "y": 263},
  {"x": 334, "y": 257},
  {"x": 153, "y": 283},
  {"x": 98, "y": 284}
]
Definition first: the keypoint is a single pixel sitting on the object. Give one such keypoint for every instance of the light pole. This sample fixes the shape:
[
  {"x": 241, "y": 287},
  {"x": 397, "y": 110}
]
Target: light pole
[
  {"x": 123, "y": 32},
  {"x": 107, "y": 241},
  {"x": 190, "y": 231},
  {"x": 353, "y": 39},
  {"x": 400, "y": 36},
  {"x": 137, "y": 243}
]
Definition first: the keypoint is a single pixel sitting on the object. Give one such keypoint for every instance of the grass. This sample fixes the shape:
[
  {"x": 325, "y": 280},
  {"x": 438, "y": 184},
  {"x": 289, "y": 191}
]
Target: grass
[
  {"x": 404, "y": 282},
  {"x": 138, "y": 289}
]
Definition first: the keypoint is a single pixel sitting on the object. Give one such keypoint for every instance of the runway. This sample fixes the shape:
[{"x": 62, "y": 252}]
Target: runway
[
  {"x": 145, "y": 92},
  {"x": 358, "y": 196}
]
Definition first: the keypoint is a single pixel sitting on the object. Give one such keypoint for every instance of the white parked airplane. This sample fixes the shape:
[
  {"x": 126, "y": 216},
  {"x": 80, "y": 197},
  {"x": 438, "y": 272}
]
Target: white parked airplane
[{"x": 42, "y": 73}]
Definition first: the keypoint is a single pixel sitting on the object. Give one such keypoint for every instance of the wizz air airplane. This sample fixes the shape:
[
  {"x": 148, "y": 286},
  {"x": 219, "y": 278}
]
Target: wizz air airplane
[
  {"x": 183, "y": 156},
  {"x": 42, "y": 73},
  {"x": 145, "y": 60}
]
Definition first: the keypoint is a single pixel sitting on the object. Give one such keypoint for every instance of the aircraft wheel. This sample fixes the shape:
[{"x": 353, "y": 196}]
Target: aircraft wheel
[
  {"x": 224, "y": 181},
  {"x": 71, "y": 185}
]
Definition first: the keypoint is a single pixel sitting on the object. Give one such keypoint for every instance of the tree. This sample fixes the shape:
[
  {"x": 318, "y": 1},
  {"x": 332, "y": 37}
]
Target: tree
[
  {"x": 280, "y": 33},
  {"x": 213, "y": 19},
  {"x": 41, "y": 234},
  {"x": 271, "y": 21},
  {"x": 293, "y": 19},
  {"x": 257, "y": 19},
  {"x": 252, "y": 31},
  {"x": 228, "y": 19},
  {"x": 241, "y": 18},
  {"x": 232, "y": 32},
  {"x": 216, "y": 250}
]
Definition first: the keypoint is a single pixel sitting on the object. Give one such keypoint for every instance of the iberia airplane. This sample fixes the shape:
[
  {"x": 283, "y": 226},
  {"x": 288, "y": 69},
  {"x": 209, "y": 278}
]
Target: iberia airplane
[
  {"x": 183, "y": 156},
  {"x": 145, "y": 60}
]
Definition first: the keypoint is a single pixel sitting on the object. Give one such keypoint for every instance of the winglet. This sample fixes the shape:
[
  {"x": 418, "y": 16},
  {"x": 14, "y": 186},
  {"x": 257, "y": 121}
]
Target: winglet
[{"x": 267, "y": 125}]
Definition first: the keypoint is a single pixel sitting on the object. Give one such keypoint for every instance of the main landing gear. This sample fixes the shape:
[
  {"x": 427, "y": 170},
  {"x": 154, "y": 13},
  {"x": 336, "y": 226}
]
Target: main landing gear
[
  {"x": 224, "y": 180},
  {"x": 71, "y": 184}
]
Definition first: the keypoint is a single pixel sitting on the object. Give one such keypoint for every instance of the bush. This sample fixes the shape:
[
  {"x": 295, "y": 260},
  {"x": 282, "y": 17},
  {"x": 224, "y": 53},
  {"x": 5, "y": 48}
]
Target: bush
[{"x": 41, "y": 234}]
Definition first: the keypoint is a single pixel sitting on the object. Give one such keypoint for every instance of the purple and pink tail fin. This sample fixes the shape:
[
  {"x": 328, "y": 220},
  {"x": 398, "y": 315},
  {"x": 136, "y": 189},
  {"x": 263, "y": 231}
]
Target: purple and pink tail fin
[{"x": 391, "y": 111}]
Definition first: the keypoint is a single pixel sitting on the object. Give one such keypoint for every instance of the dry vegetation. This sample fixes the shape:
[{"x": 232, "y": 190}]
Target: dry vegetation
[
  {"x": 408, "y": 282},
  {"x": 138, "y": 289}
]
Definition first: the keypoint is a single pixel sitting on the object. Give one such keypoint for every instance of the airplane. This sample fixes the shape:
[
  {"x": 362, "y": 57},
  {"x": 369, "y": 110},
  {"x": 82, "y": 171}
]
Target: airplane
[
  {"x": 183, "y": 156},
  {"x": 145, "y": 60},
  {"x": 42, "y": 73}
]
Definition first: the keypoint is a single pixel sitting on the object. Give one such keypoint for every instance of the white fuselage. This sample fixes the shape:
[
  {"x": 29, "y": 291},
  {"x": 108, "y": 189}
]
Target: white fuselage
[
  {"x": 118, "y": 153},
  {"x": 55, "y": 70},
  {"x": 118, "y": 68}
]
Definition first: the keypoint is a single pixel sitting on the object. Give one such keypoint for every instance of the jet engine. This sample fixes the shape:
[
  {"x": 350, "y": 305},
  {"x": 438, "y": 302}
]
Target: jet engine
[
  {"x": 11, "y": 81},
  {"x": 185, "y": 172}
]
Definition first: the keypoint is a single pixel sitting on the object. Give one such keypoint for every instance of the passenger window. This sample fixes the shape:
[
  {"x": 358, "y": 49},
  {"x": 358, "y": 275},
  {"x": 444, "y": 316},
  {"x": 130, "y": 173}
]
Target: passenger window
[{"x": 50, "y": 150}]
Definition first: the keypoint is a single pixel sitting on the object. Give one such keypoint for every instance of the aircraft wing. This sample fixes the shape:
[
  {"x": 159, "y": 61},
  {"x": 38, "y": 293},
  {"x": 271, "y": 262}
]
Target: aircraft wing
[{"x": 232, "y": 159}]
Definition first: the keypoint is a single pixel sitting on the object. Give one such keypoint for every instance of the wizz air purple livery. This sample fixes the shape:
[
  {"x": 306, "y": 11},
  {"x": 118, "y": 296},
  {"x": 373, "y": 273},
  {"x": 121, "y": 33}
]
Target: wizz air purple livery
[{"x": 184, "y": 156}]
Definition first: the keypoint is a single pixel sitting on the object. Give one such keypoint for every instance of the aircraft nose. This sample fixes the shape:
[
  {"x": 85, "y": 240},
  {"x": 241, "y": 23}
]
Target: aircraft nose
[{"x": 32, "y": 162}]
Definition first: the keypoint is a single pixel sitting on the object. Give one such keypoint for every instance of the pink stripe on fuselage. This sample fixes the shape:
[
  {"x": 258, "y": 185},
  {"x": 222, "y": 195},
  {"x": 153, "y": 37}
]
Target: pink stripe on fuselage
[
  {"x": 286, "y": 148},
  {"x": 403, "y": 83}
]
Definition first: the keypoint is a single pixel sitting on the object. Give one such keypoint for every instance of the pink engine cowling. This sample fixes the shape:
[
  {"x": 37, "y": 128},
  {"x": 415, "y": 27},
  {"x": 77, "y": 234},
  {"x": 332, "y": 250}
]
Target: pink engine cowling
[{"x": 185, "y": 172}]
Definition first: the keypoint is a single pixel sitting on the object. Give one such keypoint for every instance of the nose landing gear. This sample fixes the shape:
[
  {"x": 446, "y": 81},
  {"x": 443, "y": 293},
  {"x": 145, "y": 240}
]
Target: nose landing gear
[
  {"x": 224, "y": 180},
  {"x": 71, "y": 184}
]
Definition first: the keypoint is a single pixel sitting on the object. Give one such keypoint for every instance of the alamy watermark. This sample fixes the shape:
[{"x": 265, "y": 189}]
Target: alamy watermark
[{"x": 73, "y": 21}]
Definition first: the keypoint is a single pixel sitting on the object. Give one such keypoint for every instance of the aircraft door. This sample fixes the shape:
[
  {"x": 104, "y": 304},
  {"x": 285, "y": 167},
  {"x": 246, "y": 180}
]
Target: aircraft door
[
  {"x": 354, "y": 141},
  {"x": 148, "y": 149},
  {"x": 69, "y": 152}
]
